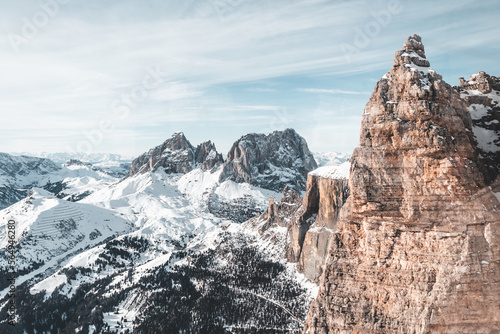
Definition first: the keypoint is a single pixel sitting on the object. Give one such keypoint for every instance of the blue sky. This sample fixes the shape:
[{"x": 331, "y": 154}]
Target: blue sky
[{"x": 122, "y": 76}]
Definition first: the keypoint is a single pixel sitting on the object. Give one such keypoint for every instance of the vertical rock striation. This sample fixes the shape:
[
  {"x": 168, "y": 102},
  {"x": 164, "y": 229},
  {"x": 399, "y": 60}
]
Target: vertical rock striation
[
  {"x": 326, "y": 194},
  {"x": 417, "y": 246}
]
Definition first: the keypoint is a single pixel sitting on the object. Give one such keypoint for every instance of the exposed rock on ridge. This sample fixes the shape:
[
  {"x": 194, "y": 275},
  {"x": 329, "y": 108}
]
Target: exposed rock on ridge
[
  {"x": 207, "y": 155},
  {"x": 482, "y": 96},
  {"x": 271, "y": 161},
  {"x": 417, "y": 247},
  {"x": 309, "y": 221},
  {"x": 177, "y": 155},
  {"x": 282, "y": 213}
]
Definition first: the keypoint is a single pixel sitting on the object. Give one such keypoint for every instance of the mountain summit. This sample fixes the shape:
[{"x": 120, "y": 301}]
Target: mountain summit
[
  {"x": 270, "y": 161},
  {"x": 417, "y": 246},
  {"x": 177, "y": 155}
]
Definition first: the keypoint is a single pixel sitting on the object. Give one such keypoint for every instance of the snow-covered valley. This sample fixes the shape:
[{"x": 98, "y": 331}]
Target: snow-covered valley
[{"x": 135, "y": 247}]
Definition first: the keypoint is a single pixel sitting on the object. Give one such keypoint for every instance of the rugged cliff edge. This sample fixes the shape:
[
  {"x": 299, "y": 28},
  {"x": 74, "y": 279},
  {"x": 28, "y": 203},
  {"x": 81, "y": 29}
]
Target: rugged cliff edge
[
  {"x": 310, "y": 221},
  {"x": 327, "y": 192},
  {"x": 417, "y": 247},
  {"x": 482, "y": 96}
]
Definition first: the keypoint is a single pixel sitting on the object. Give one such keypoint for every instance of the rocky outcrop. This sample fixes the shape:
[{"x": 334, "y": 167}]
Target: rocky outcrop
[
  {"x": 329, "y": 191},
  {"x": 309, "y": 221},
  {"x": 282, "y": 213},
  {"x": 270, "y": 161},
  {"x": 18, "y": 173},
  {"x": 176, "y": 155},
  {"x": 207, "y": 156},
  {"x": 417, "y": 245},
  {"x": 76, "y": 162},
  {"x": 482, "y": 96}
]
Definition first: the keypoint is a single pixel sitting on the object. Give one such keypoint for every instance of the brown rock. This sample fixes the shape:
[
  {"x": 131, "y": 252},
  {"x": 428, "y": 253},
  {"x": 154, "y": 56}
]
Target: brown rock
[
  {"x": 310, "y": 234},
  {"x": 206, "y": 155},
  {"x": 417, "y": 247},
  {"x": 177, "y": 155}
]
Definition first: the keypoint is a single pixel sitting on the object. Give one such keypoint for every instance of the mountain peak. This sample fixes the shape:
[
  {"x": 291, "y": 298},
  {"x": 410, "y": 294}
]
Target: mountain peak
[
  {"x": 271, "y": 161},
  {"x": 414, "y": 43},
  {"x": 177, "y": 155}
]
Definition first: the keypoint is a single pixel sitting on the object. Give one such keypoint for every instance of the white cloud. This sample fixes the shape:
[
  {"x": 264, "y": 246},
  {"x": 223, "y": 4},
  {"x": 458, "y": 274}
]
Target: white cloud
[
  {"x": 66, "y": 78},
  {"x": 331, "y": 91}
]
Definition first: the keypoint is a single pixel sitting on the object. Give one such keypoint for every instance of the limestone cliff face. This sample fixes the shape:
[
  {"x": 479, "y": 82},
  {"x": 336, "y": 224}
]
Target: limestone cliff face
[
  {"x": 325, "y": 196},
  {"x": 310, "y": 221},
  {"x": 417, "y": 246}
]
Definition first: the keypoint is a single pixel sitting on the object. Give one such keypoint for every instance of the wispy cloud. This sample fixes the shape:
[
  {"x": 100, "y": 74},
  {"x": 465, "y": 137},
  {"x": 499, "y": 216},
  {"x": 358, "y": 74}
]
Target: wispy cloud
[
  {"x": 331, "y": 91},
  {"x": 261, "y": 90},
  {"x": 67, "y": 77}
]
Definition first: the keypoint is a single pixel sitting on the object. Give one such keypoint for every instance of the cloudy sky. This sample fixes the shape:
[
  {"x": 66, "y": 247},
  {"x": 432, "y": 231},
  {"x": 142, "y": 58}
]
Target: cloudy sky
[{"x": 122, "y": 76}]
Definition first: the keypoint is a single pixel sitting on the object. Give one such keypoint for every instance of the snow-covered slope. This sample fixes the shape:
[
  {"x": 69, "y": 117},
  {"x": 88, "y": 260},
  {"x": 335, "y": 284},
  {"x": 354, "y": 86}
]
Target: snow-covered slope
[
  {"x": 72, "y": 181},
  {"x": 48, "y": 230}
]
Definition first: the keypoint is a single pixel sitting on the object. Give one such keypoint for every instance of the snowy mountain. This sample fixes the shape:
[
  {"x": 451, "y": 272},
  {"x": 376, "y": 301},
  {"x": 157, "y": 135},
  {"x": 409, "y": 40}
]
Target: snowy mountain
[
  {"x": 19, "y": 171},
  {"x": 270, "y": 161},
  {"x": 49, "y": 230},
  {"x": 93, "y": 158},
  {"x": 330, "y": 158},
  {"x": 115, "y": 165},
  {"x": 155, "y": 242},
  {"x": 72, "y": 181}
]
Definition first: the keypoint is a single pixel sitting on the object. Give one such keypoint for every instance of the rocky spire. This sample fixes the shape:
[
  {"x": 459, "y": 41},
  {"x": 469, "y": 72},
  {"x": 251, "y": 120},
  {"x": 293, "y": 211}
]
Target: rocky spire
[
  {"x": 271, "y": 161},
  {"x": 481, "y": 93},
  {"x": 177, "y": 155},
  {"x": 418, "y": 241}
]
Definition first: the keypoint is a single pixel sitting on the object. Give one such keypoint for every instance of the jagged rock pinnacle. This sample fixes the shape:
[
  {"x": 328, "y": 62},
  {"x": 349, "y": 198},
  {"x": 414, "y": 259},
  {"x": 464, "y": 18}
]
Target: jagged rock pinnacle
[
  {"x": 413, "y": 53},
  {"x": 414, "y": 43},
  {"x": 417, "y": 208}
]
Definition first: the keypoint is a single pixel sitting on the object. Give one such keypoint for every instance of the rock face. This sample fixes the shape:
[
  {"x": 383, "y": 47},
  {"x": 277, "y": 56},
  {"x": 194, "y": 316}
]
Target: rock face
[
  {"x": 417, "y": 246},
  {"x": 177, "y": 155},
  {"x": 282, "y": 213},
  {"x": 327, "y": 190},
  {"x": 271, "y": 161},
  {"x": 330, "y": 192},
  {"x": 207, "y": 156},
  {"x": 309, "y": 221},
  {"x": 482, "y": 96}
]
